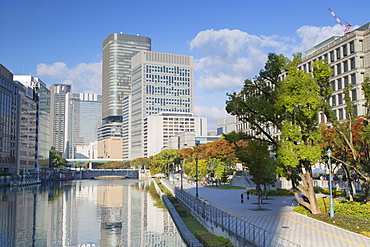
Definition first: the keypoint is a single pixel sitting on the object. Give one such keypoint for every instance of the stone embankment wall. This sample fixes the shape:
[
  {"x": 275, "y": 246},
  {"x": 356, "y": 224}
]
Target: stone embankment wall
[{"x": 187, "y": 236}]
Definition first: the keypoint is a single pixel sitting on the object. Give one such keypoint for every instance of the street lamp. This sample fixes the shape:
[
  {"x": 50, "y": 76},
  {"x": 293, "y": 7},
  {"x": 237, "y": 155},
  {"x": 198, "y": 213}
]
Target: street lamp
[
  {"x": 196, "y": 178},
  {"x": 181, "y": 173},
  {"x": 330, "y": 185}
]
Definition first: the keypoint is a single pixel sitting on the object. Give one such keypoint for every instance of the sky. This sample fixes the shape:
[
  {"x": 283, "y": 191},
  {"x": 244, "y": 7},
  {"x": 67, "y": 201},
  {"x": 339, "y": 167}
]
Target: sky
[{"x": 60, "y": 41}]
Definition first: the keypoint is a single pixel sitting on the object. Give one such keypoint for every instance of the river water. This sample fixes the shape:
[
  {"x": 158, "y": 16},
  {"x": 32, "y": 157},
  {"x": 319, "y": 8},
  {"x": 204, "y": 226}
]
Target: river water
[{"x": 85, "y": 213}]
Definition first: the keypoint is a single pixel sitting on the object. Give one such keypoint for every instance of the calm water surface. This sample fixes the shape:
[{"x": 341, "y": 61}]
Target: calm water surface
[{"x": 85, "y": 213}]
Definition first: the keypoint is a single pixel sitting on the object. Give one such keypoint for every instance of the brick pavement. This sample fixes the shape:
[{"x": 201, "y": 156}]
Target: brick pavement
[{"x": 278, "y": 218}]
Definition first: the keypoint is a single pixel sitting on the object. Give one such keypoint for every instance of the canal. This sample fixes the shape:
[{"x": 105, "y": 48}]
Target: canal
[{"x": 85, "y": 213}]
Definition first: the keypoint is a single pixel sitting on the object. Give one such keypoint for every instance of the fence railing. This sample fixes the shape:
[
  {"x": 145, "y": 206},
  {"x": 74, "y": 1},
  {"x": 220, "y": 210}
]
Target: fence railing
[{"x": 211, "y": 215}]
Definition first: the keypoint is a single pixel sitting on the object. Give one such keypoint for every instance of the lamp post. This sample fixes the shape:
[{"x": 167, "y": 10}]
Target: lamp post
[
  {"x": 330, "y": 185},
  {"x": 196, "y": 178},
  {"x": 181, "y": 173}
]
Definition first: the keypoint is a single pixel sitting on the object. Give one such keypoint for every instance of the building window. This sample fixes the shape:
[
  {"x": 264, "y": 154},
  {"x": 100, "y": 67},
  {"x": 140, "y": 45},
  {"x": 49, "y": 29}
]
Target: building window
[
  {"x": 352, "y": 61},
  {"x": 352, "y": 47},
  {"x": 345, "y": 66},
  {"x": 361, "y": 62},
  {"x": 354, "y": 94},
  {"x": 338, "y": 53},
  {"x": 332, "y": 68},
  {"x": 361, "y": 45},
  {"x": 339, "y": 70},
  {"x": 340, "y": 113},
  {"x": 345, "y": 50},
  {"x": 339, "y": 83},
  {"x": 353, "y": 78},
  {"x": 355, "y": 110},
  {"x": 340, "y": 99},
  {"x": 332, "y": 85},
  {"x": 333, "y": 101},
  {"x": 332, "y": 56},
  {"x": 346, "y": 81}
]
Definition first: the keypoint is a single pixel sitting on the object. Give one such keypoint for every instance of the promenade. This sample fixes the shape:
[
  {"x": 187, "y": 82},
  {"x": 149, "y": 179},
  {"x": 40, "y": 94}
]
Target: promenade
[{"x": 278, "y": 218}]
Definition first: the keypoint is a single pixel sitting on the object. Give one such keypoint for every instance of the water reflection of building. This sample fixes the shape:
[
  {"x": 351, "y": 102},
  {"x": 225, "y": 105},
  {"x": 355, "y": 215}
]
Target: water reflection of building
[{"x": 85, "y": 213}]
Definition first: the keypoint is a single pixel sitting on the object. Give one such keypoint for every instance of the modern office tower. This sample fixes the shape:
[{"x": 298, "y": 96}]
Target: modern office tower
[
  {"x": 43, "y": 112},
  {"x": 161, "y": 83},
  {"x": 82, "y": 118},
  {"x": 57, "y": 112},
  {"x": 158, "y": 129},
  {"x": 118, "y": 50},
  {"x": 226, "y": 125},
  {"x": 110, "y": 141},
  {"x": 8, "y": 122},
  {"x": 349, "y": 56},
  {"x": 27, "y": 129}
]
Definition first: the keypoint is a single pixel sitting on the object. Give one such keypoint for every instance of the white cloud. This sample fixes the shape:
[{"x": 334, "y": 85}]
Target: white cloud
[
  {"x": 85, "y": 77},
  {"x": 228, "y": 57}
]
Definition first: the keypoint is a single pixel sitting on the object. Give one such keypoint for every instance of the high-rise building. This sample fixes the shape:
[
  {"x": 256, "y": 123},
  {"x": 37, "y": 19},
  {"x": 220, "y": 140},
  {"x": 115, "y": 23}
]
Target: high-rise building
[
  {"x": 8, "y": 122},
  {"x": 28, "y": 130},
  {"x": 161, "y": 83},
  {"x": 82, "y": 118},
  {"x": 43, "y": 120},
  {"x": 118, "y": 49},
  {"x": 57, "y": 115}
]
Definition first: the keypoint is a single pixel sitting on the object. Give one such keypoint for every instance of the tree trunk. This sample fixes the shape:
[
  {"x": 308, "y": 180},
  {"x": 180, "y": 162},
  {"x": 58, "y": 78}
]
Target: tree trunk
[
  {"x": 349, "y": 183},
  {"x": 259, "y": 194},
  {"x": 265, "y": 190},
  {"x": 308, "y": 191}
]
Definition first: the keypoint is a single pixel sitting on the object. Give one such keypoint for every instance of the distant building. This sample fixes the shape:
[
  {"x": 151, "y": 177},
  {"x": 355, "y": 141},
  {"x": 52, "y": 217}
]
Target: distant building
[
  {"x": 110, "y": 141},
  {"x": 118, "y": 49},
  {"x": 57, "y": 115},
  {"x": 8, "y": 122},
  {"x": 162, "y": 83},
  {"x": 82, "y": 118},
  {"x": 159, "y": 129},
  {"x": 43, "y": 121},
  {"x": 226, "y": 125}
]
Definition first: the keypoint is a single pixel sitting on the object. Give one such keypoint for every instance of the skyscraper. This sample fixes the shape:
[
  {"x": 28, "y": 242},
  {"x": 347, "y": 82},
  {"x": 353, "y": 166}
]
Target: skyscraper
[
  {"x": 118, "y": 49},
  {"x": 57, "y": 110},
  {"x": 43, "y": 120},
  {"x": 8, "y": 122},
  {"x": 82, "y": 117},
  {"x": 161, "y": 83}
]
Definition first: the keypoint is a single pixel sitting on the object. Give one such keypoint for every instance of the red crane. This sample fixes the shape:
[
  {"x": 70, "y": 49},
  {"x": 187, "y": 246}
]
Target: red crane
[{"x": 347, "y": 27}]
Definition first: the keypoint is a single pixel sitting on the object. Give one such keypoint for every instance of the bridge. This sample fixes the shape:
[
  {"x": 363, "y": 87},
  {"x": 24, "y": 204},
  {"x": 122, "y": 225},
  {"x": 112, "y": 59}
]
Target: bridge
[{"x": 94, "y": 173}]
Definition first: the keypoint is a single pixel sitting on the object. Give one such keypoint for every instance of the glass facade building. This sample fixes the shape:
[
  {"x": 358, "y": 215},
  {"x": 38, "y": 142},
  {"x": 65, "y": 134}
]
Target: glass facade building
[
  {"x": 83, "y": 117},
  {"x": 8, "y": 122},
  {"x": 118, "y": 49}
]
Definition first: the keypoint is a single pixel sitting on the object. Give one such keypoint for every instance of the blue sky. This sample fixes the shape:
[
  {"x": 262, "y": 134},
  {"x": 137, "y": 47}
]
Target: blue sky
[{"x": 61, "y": 40}]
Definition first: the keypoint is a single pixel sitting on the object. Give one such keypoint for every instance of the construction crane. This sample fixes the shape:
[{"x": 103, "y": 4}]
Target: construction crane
[{"x": 347, "y": 27}]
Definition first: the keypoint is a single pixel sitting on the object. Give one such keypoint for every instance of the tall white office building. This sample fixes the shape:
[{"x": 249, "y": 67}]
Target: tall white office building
[{"x": 162, "y": 83}]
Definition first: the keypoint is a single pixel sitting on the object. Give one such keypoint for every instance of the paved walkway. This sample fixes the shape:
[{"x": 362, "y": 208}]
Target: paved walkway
[{"x": 279, "y": 219}]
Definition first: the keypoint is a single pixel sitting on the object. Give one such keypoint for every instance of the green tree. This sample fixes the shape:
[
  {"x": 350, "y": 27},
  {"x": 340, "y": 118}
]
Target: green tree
[
  {"x": 255, "y": 104},
  {"x": 300, "y": 101},
  {"x": 56, "y": 160},
  {"x": 161, "y": 161}
]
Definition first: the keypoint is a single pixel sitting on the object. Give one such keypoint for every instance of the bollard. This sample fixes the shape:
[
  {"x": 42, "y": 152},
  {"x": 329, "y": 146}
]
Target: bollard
[
  {"x": 247, "y": 195},
  {"x": 241, "y": 198}
]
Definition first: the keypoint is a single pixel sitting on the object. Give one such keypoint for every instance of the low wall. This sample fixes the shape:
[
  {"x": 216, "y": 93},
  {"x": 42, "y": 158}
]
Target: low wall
[
  {"x": 187, "y": 236},
  {"x": 87, "y": 174}
]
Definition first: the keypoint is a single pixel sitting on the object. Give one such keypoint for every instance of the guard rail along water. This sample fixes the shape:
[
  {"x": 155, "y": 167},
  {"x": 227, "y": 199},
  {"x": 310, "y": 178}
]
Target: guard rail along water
[{"x": 240, "y": 232}]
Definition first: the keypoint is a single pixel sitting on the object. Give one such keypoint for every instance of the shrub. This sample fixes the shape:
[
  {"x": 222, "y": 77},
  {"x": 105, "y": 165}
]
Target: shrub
[
  {"x": 301, "y": 210},
  {"x": 279, "y": 192},
  {"x": 209, "y": 240}
]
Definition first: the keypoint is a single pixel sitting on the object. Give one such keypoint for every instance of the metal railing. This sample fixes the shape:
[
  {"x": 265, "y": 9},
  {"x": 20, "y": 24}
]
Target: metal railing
[{"x": 248, "y": 233}]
